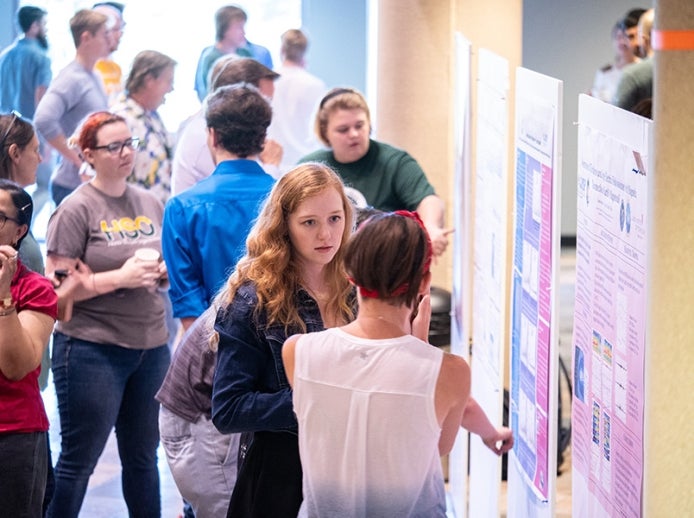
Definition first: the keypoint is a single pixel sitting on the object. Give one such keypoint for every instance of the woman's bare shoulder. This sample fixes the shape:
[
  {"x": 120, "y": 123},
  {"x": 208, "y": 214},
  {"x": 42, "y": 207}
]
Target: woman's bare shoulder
[{"x": 455, "y": 373}]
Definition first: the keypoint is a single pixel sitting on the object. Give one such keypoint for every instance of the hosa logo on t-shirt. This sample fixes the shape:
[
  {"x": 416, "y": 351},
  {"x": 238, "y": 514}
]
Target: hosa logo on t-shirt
[{"x": 128, "y": 228}]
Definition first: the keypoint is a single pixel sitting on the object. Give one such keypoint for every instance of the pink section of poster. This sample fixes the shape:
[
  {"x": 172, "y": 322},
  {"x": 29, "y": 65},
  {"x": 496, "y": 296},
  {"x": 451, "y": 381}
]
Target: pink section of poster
[
  {"x": 609, "y": 326},
  {"x": 531, "y": 316},
  {"x": 544, "y": 298},
  {"x": 544, "y": 315}
]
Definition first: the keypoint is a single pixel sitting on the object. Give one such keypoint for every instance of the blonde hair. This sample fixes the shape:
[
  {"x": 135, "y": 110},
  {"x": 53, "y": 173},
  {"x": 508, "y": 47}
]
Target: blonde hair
[
  {"x": 270, "y": 262},
  {"x": 338, "y": 99}
]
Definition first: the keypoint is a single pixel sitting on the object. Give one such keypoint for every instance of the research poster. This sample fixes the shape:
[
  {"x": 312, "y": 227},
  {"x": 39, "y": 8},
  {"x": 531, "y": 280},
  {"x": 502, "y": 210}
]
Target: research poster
[
  {"x": 490, "y": 212},
  {"x": 534, "y": 289},
  {"x": 462, "y": 264},
  {"x": 610, "y": 311},
  {"x": 491, "y": 222}
]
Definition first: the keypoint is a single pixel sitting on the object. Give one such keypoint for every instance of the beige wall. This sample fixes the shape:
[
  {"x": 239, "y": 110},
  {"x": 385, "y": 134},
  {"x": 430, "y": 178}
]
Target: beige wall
[
  {"x": 414, "y": 97},
  {"x": 415, "y": 89},
  {"x": 670, "y": 342}
]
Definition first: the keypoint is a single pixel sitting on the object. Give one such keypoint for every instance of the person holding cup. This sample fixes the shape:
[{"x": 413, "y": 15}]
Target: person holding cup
[
  {"x": 148, "y": 254},
  {"x": 110, "y": 358}
]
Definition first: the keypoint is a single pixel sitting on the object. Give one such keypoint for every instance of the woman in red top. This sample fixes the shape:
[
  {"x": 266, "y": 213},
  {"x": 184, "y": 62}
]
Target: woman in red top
[{"x": 28, "y": 309}]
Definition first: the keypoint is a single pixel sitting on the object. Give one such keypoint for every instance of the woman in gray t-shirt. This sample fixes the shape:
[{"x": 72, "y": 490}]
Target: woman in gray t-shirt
[{"x": 110, "y": 356}]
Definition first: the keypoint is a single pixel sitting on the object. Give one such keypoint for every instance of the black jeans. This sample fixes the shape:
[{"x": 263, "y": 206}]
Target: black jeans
[{"x": 23, "y": 463}]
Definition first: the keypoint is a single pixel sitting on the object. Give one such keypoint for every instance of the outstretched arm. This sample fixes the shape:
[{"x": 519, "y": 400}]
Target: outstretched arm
[
  {"x": 476, "y": 421},
  {"x": 431, "y": 210}
]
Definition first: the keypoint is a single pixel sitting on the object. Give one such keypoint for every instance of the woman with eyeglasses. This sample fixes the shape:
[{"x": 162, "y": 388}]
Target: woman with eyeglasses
[
  {"x": 110, "y": 358},
  {"x": 19, "y": 160},
  {"x": 28, "y": 309}
]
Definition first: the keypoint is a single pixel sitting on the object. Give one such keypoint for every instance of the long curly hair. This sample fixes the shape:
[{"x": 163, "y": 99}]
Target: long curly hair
[{"x": 270, "y": 262}]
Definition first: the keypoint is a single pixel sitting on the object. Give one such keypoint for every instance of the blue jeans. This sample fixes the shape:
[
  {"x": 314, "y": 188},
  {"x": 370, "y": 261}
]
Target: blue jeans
[{"x": 100, "y": 386}]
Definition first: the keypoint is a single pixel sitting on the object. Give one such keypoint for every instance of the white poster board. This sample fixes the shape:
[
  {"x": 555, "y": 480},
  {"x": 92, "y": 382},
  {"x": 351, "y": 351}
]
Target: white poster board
[
  {"x": 462, "y": 261},
  {"x": 534, "y": 342},
  {"x": 489, "y": 272},
  {"x": 609, "y": 332}
]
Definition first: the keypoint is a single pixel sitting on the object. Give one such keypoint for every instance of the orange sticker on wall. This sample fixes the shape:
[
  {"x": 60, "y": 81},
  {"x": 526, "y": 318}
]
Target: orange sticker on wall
[{"x": 673, "y": 40}]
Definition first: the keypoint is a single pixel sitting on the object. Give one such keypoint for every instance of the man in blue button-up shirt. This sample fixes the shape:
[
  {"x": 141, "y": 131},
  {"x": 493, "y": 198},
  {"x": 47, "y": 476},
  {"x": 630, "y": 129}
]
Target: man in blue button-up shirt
[{"x": 205, "y": 227}]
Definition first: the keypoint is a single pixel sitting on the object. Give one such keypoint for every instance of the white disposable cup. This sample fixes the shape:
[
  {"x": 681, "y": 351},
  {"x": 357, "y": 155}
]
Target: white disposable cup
[{"x": 147, "y": 254}]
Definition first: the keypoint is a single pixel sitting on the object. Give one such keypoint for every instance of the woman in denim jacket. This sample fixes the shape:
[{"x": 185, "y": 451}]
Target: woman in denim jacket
[{"x": 291, "y": 280}]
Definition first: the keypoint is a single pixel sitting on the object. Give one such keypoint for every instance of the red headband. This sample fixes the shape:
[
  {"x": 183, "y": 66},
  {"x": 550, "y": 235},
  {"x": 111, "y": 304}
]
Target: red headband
[
  {"x": 430, "y": 249},
  {"x": 402, "y": 289}
]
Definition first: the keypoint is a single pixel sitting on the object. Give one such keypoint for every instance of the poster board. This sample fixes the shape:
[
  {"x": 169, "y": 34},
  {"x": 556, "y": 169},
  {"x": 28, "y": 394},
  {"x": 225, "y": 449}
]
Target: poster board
[
  {"x": 490, "y": 236},
  {"x": 534, "y": 295},
  {"x": 461, "y": 295},
  {"x": 609, "y": 332}
]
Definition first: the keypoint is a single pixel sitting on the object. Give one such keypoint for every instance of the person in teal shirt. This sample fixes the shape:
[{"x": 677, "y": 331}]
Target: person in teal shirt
[{"x": 230, "y": 24}]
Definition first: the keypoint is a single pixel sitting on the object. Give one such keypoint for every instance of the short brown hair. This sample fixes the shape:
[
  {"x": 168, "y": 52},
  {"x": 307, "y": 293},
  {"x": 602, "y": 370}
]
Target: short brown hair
[
  {"x": 86, "y": 20},
  {"x": 231, "y": 69},
  {"x": 294, "y": 45},
  {"x": 17, "y": 131},
  {"x": 240, "y": 116},
  {"x": 387, "y": 256},
  {"x": 225, "y": 16}
]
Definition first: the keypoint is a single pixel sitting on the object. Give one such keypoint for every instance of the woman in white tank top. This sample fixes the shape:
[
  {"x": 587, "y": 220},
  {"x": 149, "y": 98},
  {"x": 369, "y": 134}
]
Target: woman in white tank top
[{"x": 376, "y": 405}]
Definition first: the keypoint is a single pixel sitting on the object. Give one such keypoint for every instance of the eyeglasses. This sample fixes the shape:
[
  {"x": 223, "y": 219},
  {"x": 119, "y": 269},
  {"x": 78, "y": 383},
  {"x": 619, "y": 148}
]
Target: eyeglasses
[
  {"x": 4, "y": 218},
  {"x": 15, "y": 115},
  {"x": 116, "y": 148}
]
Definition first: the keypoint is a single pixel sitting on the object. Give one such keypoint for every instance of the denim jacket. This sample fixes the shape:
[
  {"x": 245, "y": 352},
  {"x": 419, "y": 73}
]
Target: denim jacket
[{"x": 250, "y": 391}]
